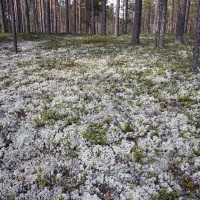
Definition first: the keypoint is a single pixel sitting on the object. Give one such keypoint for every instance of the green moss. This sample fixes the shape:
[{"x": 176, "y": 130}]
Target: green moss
[
  {"x": 96, "y": 133},
  {"x": 138, "y": 155},
  {"x": 10, "y": 197},
  {"x": 165, "y": 195}
]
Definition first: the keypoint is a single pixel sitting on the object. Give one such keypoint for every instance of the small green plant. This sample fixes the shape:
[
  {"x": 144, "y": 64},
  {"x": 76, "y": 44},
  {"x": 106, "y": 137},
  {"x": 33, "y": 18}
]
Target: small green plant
[
  {"x": 165, "y": 195},
  {"x": 128, "y": 128},
  {"x": 10, "y": 197},
  {"x": 42, "y": 181},
  {"x": 132, "y": 186},
  {"x": 61, "y": 197},
  {"x": 155, "y": 197},
  {"x": 96, "y": 133},
  {"x": 138, "y": 155}
]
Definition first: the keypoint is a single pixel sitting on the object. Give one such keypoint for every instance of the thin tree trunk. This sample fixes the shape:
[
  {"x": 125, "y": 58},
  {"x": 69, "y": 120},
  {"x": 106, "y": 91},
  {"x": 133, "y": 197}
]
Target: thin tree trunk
[
  {"x": 67, "y": 16},
  {"x": 35, "y": 15},
  {"x": 13, "y": 26},
  {"x": 137, "y": 23},
  {"x": 74, "y": 16},
  {"x": 180, "y": 21},
  {"x": 155, "y": 16},
  {"x": 18, "y": 13},
  {"x": 93, "y": 17},
  {"x": 3, "y": 16},
  {"x": 163, "y": 22},
  {"x": 27, "y": 16},
  {"x": 172, "y": 18},
  {"x": 40, "y": 15},
  {"x": 48, "y": 22},
  {"x": 187, "y": 16},
  {"x": 195, "y": 60},
  {"x": 43, "y": 16},
  {"x": 117, "y": 18},
  {"x": 79, "y": 16},
  {"x": 123, "y": 15},
  {"x": 103, "y": 22},
  {"x": 126, "y": 17}
]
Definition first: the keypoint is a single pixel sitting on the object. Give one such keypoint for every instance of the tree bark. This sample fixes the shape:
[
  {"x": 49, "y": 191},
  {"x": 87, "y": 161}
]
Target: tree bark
[
  {"x": 180, "y": 21},
  {"x": 117, "y": 18},
  {"x": 103, "y": 22},
  {"x": 195, "y": 60},
  {"x": 155, "y": 16},
  {"x": 67, "y": 16},
  {"x": 187, "y": 16},
  {"x": 3, "y": 16},
  {"x": 27, "y": 16},
  {"x": 13, "y": 26},
  {"x": 74, "y": 16},
  {"x": 93, "y": 17},
  {"x": 35, "y": 16},
  {"x": 171, "y": 29},
  {"x": 137, "y": 23},
  {"x": 163, "y": 22},
  {"x": 126, "y": 17},
  {"x": 48, "y": 22}
]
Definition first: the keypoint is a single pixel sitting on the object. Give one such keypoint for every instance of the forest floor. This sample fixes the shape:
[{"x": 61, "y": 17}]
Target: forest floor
[{"x": 88, "y": 117}]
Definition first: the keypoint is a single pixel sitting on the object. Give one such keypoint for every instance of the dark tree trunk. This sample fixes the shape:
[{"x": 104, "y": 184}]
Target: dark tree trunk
[
  {"x": 48, "y": 17},
  {"x": 67, "y": 16},
  {"x": 3, "y": 16},
  {"x": 13, "y": 26},
  {"x": 55, "y": 21},
  {"x": 103, "y": 22},
  {"x": 93, "y": 17},
  {"x": 195, "y": 60},
  {"x": 126, "y": 17},
  {"x": 117, "y": 18},
  {"x": 19, "y": 16},
  {"x": 137, "y": 23},
  {"x": 172, "y": 18},
  {"x": 27, "y": 16},
  {"x": 123, "y": 14},
  {"x": 74, "y": 16},
  {"x": 35, "y": 16},
  {"x": 180, "y": 21},
  {"x": 8, "y": 19},
  {"x": 86, "y": 17},
  {"x": 187, "y": 16},
  {"x": 163, "y": 22}
]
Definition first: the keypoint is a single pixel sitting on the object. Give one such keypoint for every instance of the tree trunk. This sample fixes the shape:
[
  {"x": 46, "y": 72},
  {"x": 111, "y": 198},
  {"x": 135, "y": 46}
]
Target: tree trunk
[
  {"x": 163, "y": 22},
  {"x": 172, "y": 18},
  {"x": 137, "y": 23},
  {"x": 187, "y": 16},
  {"x": 195, "y": 60},
  {"x": 74, "y": 16},
  {"x": 117, "y": 18},
  {"x": 13, "y": 26},
  {"x": 48, "y": 18},
  {"x": 67, "y": 16},
  {"x": 126, "y": 17},
  {"x": 103, "y": 22},
  {"x": 35, "y": 16},
  {"x": 79, "y": 16},
  {"x": 27, "y": 16},
  {"x": 3, "y": 16},
  {"x": 180, "y": 21},
  {"x": 155, "y": 16},
  {"x": 123, "y": 13},
  {"x": 18, "y": 15},
  {"x": 93, "y": 17}
]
